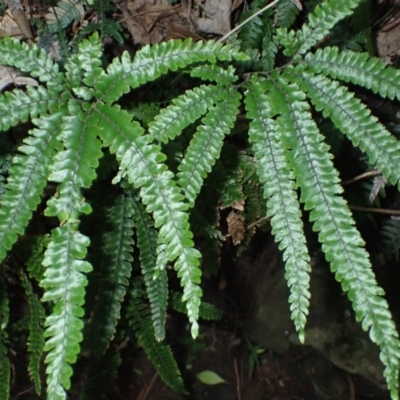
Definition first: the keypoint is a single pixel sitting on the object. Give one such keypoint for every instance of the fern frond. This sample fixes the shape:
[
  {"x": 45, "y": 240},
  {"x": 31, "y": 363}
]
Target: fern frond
[
  {"x": 205, "y": 147},
  {"x": 156, "y": 280},
  {"x": 355, "y": 120},
  {"x": 287, "y": 12},
  {"x": 114, "y": 274},
  {"x": 358, "y": 68},
  {"x": 321, "y": 21},
  {"x": 390, "y": 234},
  {"x": 282, "y": 203},
  {"x": 35, "y": 339},
  {"x": 150, "y": 63},
  {"x": 64, "y": 284},
  {"x": 5, "y": 366},
  {"x": 20, "y": 105},
  {"x": 214, "y": 73},
  {"x": 27, "y": 179},
  {"x": 207, "y": 310},
  {"x": 158, "y": 353},
  {"x": 341, "y": 242},
  {"x": 142, "y": 162},
  {"x": 35, "y": 259},
  {"x": 100, "y": 376},
  {"x": 32, "y": 60},
  {"x": 75, "y": 166},
  {"x": 183, "y": 111},
  {"x": 66, "y": 12}
]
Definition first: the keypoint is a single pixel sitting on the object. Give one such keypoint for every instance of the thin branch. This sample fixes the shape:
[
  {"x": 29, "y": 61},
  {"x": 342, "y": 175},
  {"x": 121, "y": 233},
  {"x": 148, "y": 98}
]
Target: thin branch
[
  {"x": 236, "y": 28},
  {"x": 362, "y": 176}
]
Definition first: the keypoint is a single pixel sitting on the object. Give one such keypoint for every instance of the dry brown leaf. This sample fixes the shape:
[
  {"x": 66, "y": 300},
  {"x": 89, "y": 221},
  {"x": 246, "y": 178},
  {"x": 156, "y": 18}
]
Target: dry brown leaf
[{"x": 236, "y": 227}]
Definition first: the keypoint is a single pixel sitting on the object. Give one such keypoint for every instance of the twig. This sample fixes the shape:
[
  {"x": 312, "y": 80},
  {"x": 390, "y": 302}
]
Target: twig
[
  {"x": 362, "y": 176},
  {"x": 236, "y": 28},
  {"x": 238, "y": 385},
  {"x": 375, "y": 210}
]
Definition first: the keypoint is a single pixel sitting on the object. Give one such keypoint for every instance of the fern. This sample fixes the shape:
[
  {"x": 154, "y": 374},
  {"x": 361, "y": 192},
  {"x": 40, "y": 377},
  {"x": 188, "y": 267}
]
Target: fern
[
  {"x": 77, "y": 112},
  {"x": 114, "y": 275},
  {"x": 5, "y": 367},
  {"x": 159, "y": 353},
  {"x": 36, "y": 339}
]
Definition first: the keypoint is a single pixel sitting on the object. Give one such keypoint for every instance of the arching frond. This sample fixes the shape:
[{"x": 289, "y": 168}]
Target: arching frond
[
  {"x": 354, "y": 119},
  {"x": 20, "y": 105},
  {"x": 150, "y": 62},
  {"x": 115, "y": 271},
  {"x": 341, "y": 242},
  {"x": 358, "y": 68},
  {"x": 5, "y": 367},
  {"x": 183, "y": 111},
  {"x": 142, "y": 163},
  {"x": 214, "y": 73},
  {"x": 158, "y": 353},
  {"x": 35, "y": 339},
  {"x": 279, "y": 191},
  {"x": 64, "y": 284},
  {"x": 27, "y": 179},
  {"x": 321, "y": 21},
  {"x": 32, "y": 60},
  {"x": 207, "y": 310},
  {"x": 206, "y": 144},
  {"x": 156, "y": 280}
]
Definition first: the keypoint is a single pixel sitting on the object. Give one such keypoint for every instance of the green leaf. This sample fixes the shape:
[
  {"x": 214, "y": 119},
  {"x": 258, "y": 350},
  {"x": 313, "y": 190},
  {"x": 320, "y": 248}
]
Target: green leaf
[{"x": 209, "y": 378}]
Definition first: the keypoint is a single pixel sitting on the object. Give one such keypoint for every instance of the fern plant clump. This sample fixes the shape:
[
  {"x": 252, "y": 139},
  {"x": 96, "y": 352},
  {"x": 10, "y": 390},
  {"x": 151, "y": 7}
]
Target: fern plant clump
[{"x": 77, "y": 119}]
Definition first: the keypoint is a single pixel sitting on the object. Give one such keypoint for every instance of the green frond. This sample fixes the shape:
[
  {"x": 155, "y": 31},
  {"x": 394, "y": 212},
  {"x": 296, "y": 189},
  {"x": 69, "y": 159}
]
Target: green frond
[
  {"x": 156, "y": 280},
  {"x": 101, "y": 374},
  {"x": 214, "y": 73},
  {"x": 207, "y": 310},
  {"x": 354, "y": 119},
  {"x": 150, "y": 63},
  {"x": 35, "y": 259},
  {"x": 64, "y": 13},
  {"x": 32, "y": 60},
  {"x": 205, "y": 147},
  {"x": 279, "y": 191},
  {"x": 142, "y": 162},
  {"x": 106, "y": 27},
  {"x": 321, "y": 21},
  {"x": 341, "y": 242},
  {"x": 390, "y": 234},
  {"x": 20, "y": 105},
  {"x": 115, "y": 271},
  {"x": 359, "y": 68},
  {"x": 35, "y": 339},
  {"x": 27, "y": 178},
  {"x": 64, "y": 285},
  {"x": 5, "y": 367},
  {"x": 183, "y": 111},
  {"x": 75, "y": 166},
  {"x": 89, "y": 56},
  {"x": 158, "y": 353},
  {"x": 287, "y": 12}
]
